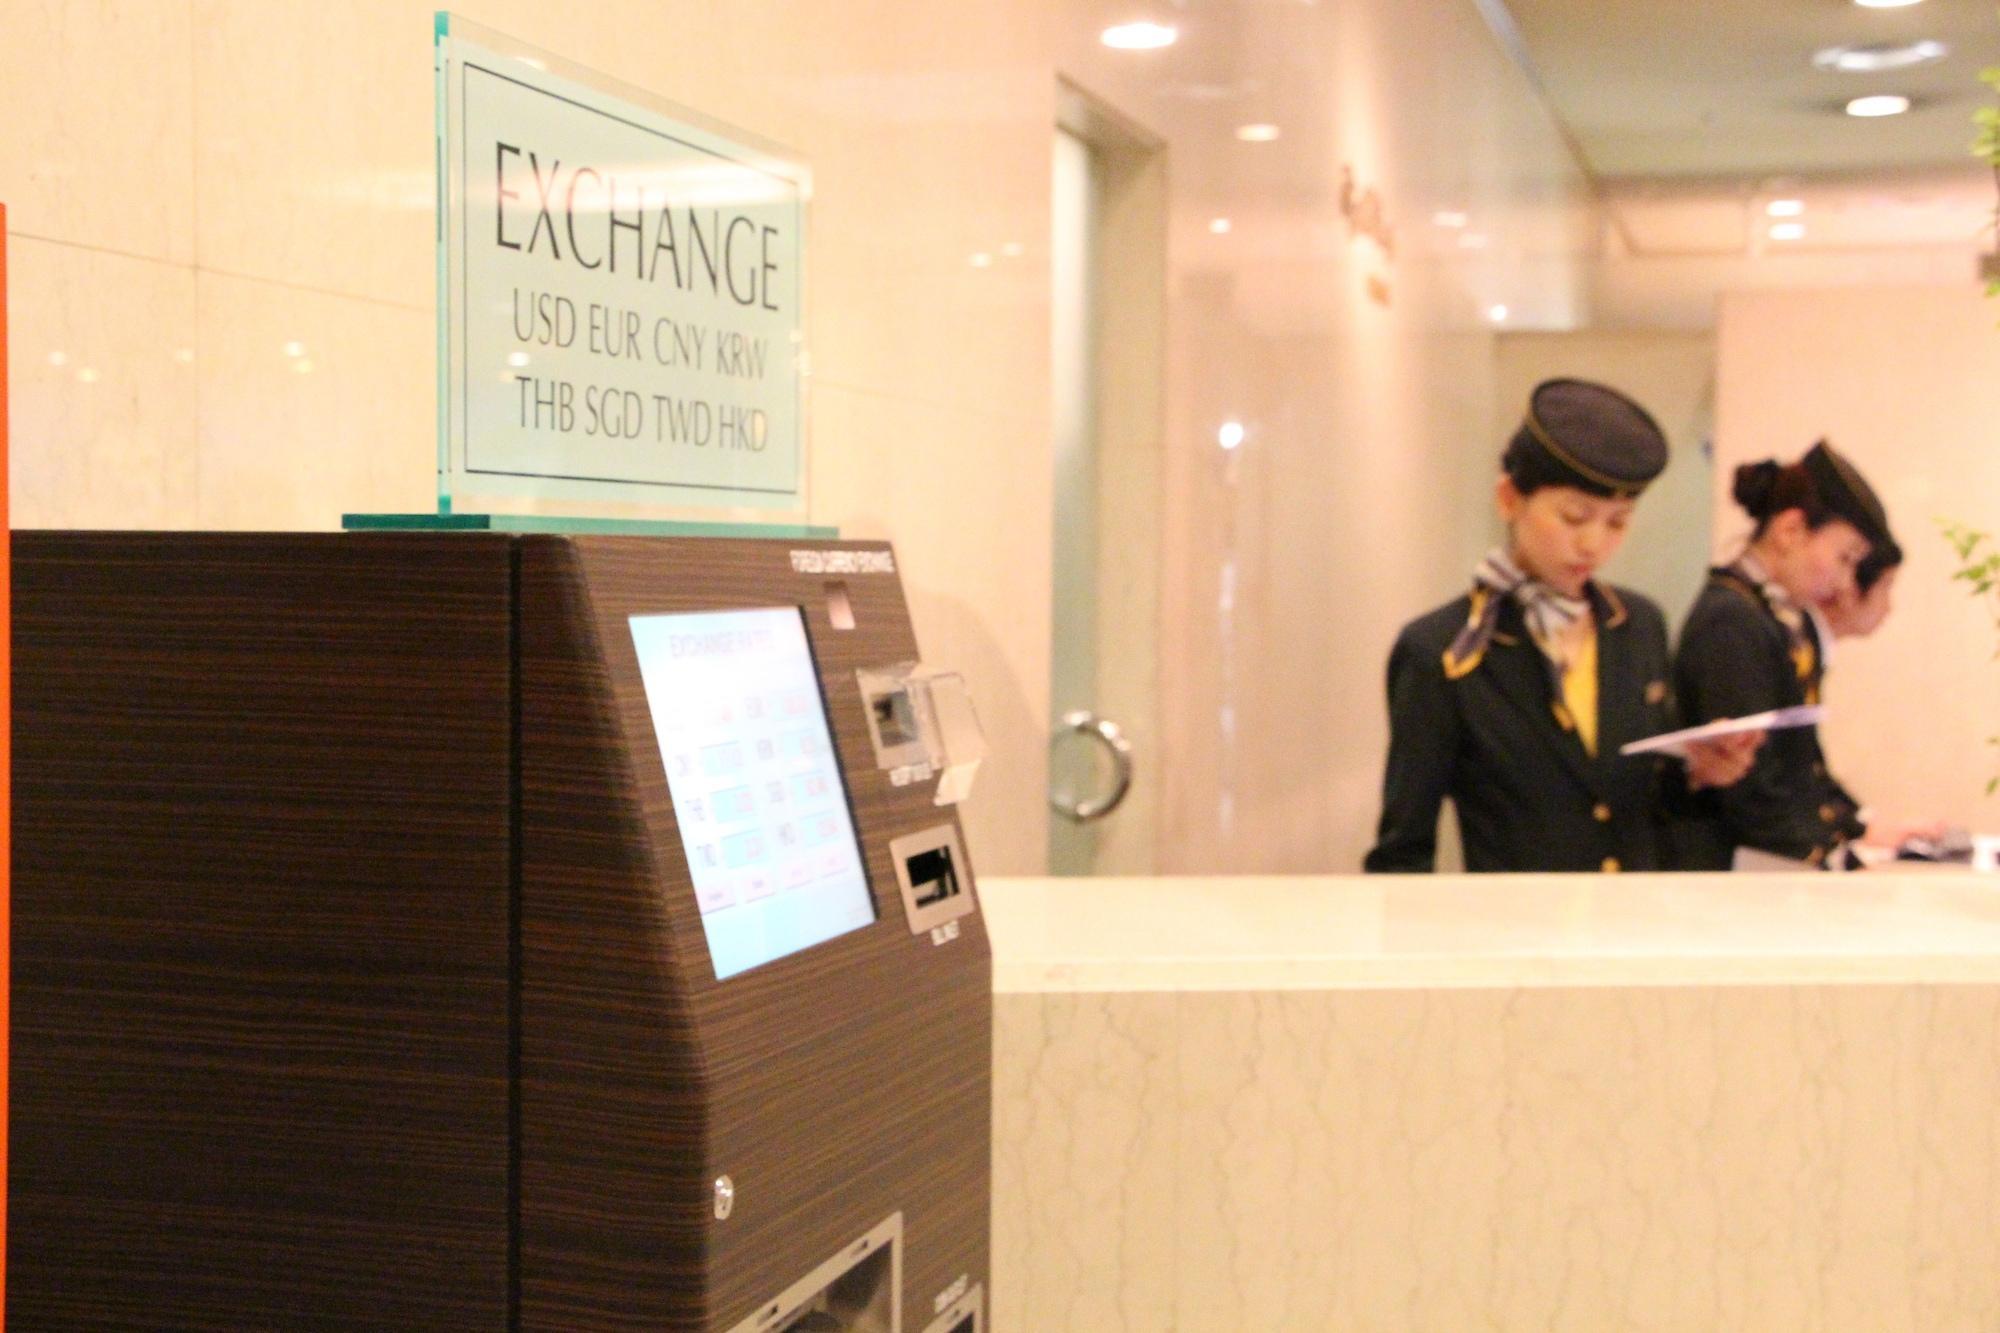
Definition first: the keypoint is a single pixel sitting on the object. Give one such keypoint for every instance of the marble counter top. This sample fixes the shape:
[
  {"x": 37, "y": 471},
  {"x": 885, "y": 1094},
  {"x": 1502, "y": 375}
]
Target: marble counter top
[{"x": 1413, "y": 932}]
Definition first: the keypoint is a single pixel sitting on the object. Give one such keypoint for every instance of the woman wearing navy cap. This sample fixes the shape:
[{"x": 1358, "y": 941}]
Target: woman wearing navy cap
[
  {"x": 1754, "y": 642},
  {"x": 1514, "y": 699}
]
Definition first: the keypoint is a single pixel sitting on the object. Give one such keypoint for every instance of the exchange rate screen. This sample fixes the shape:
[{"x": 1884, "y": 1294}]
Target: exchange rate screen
[{"x": 755, "y": 781}]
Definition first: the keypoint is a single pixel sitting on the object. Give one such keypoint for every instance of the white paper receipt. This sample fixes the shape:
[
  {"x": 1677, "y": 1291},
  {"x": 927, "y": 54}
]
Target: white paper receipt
[{"x": 1676, "y": 742}]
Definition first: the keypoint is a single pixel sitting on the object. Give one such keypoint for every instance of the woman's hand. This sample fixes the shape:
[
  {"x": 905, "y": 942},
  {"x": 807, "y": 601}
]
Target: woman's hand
[{"x": 1723, "y": 760}]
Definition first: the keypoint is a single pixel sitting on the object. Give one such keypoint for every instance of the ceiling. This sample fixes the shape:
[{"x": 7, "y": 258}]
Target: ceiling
[
  {"x": 1712, "y": 88},
  {"x": 1692, "y": 115}
]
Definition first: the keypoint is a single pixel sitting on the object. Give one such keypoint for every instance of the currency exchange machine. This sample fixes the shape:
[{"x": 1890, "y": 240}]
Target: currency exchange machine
[{"x": 489, "y": 931}]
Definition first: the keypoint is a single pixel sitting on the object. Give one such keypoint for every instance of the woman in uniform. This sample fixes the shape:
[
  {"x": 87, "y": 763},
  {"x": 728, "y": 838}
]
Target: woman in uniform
[
  {"x": 1513, "y": 700},
  {"x": 1754, "y": 642}
]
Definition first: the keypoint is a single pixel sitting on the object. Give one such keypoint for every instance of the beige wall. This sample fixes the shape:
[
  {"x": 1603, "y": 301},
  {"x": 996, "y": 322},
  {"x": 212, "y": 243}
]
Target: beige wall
[
  {"x": 1906, "y": 382},
  {"x": 1673, "y": 376},
  {"x": 192, "y": 184},
  {"x": 1681, "y": 291},
  {"x": 1290, "y": 565}
]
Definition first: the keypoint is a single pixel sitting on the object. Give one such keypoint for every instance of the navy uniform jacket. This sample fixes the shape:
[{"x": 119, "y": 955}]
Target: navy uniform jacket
[
  {"x": 1529, "y": 796},
  {"x": 1734, "y": 659}
]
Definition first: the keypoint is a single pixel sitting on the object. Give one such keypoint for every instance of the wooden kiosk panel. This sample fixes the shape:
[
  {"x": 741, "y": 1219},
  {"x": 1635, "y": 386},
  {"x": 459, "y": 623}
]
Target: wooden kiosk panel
[
  {"x": 261, "y": 833},
  {"x": 360, "y": 979},
  {"x": 835, "y": 1087}
]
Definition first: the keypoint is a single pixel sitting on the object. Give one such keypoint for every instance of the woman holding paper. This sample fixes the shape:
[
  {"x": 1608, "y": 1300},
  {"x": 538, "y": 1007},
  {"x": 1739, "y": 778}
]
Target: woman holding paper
[
  {"x": 1754, "y": 641},
  {"x": 1513, "y": 700}
]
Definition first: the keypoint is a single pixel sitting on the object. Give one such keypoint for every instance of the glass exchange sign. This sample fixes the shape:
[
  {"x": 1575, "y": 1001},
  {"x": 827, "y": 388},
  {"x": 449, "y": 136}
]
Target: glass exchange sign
[{"x": 620, "y": 314}]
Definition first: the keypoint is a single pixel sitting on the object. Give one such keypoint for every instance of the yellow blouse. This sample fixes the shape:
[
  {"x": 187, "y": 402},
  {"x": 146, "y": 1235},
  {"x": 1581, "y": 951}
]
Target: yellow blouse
[{"x": 1578, "y": 710}]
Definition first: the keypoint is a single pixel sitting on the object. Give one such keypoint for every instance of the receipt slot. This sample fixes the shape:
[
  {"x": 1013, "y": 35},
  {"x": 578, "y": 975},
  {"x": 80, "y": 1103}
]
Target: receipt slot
[{"x": 485, "y": 931}]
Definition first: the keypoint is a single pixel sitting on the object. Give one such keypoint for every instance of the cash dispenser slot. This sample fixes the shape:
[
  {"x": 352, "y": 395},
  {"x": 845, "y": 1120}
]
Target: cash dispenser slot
[
  {"x": 932, "y": 878},
  {"x": 894, "y": 724},
  {"x": 858, "y": 1290},
  {"x": 894, "y": 717},
  {"x": 923, "y": 728},
  {"x": 932, "y": 872}
]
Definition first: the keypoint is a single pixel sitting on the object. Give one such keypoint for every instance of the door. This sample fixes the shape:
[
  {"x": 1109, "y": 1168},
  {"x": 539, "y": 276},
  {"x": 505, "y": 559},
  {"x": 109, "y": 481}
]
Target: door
[{"x": 1108, "y": 256}]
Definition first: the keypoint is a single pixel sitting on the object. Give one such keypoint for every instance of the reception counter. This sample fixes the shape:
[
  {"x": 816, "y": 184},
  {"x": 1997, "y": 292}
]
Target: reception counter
[{"x": 1661, "y": 1102}]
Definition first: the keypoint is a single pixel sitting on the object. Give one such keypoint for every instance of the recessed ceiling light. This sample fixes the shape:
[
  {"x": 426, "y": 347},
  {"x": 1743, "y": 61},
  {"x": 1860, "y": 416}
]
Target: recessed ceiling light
[
  {"x": 1887, "y": 4},
  {"x": 1450, "y": 218},
  {"x": 1785, "y": 208},
  {"x": 1259, "y": 133},
  {"x": 1472, "y": 240},
  {"x": 1884, "y": 55},
  {"x": 1231, "y": 434},
  {"x": 1788, "y": 231},
  {"x": 981, "y": 260},
  {"x": 1882, "y": 104},
  {"x": 1498, "y": 314},
  {"x": 1138, "y": 36},
  {"x": 1219, "y": 226}
]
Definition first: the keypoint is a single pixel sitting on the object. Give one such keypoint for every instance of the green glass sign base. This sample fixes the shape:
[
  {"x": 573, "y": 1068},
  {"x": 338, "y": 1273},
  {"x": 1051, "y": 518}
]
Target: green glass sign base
[{"x": 615, "y": 527}]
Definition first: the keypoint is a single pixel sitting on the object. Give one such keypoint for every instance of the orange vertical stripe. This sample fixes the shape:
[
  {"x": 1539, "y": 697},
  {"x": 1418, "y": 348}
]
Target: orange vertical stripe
[{"x": 6, "y": 768}]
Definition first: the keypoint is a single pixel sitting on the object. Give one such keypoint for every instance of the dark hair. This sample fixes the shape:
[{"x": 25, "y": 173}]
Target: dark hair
[
  {"x": 1768, "y": 488},
  {"x": 1882, "y": 558},
  {"x": 1531, "y": 467}
]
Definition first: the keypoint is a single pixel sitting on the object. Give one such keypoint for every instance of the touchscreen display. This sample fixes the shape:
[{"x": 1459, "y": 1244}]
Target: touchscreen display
[{"x": 756, "y": 786}]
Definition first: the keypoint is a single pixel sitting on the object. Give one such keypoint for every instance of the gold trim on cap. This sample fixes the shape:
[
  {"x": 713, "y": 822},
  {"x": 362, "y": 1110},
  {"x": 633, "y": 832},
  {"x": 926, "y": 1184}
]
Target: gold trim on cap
[{"x": 1624, "y": 490}]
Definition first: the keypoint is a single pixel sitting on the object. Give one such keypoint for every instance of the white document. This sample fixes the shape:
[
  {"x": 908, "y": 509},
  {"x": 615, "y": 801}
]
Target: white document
[{"x": 1676, "y": 742}]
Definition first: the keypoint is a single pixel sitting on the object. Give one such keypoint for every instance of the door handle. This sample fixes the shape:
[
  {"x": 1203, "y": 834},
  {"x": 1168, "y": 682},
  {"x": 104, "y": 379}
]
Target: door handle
[{"x": 1105, "y": 732}]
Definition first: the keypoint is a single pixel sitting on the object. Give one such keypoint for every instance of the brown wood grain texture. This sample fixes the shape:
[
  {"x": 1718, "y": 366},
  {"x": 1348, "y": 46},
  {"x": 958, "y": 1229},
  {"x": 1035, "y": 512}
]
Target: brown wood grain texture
[
  {"x": 260, "y": 932},
  {"x": 269, "y": 898},
  {"x": 835, "y": 1086}
]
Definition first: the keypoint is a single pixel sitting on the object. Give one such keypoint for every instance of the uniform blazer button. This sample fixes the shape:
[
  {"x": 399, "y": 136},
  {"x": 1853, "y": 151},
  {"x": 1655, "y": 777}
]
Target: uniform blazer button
[
  {"x": 1828, "y": 813},
  {"x": 1601, "y": 812},
  {"x": 1610, "y": 866}
]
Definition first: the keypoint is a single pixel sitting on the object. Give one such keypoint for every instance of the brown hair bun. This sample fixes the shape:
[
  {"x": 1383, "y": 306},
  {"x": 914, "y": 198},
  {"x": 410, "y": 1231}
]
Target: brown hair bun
[{"x": 1756, "y": 487}]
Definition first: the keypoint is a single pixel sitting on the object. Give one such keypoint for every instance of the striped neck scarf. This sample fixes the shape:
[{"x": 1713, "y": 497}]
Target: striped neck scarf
[
  {"x": 1548, "y": 612},
  {"x": 1798, "y": 643}
]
